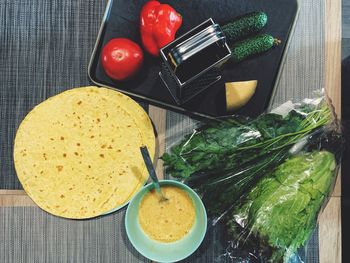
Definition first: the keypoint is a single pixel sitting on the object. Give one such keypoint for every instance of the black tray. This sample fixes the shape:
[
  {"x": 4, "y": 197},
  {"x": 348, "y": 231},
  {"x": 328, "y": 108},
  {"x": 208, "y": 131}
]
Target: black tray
[{"x": 122, "y": 20}]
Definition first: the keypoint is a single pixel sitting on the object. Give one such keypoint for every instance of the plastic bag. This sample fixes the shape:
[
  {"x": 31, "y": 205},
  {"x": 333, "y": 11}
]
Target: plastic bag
[{"x": 225, "y": 160}]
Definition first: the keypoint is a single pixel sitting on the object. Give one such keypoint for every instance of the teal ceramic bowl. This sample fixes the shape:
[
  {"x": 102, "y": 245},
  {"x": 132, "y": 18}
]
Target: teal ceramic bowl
[{"x": 165, "y": 252}]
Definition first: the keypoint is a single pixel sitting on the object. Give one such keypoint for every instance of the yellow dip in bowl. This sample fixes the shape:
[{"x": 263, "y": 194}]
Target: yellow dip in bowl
[
  {"x": 166, "y": 231},
  {"x": 167, "y": 221}
]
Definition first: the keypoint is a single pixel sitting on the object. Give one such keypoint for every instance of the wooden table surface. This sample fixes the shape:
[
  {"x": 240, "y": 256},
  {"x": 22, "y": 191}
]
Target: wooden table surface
[{"x": 330, "y": 219}]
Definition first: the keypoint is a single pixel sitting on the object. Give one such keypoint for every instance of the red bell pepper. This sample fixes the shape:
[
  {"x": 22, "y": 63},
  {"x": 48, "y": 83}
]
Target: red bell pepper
[{"x": 158, "y": 25}]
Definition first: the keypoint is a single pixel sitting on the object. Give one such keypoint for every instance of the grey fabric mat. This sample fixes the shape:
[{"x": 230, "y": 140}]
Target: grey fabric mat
[
  {"x": 45, "y": 47},
  {"x": 56, "y": 38},
  {"x": 346, "y": 18},
  {"x": 302, "y": 74},
  {"x": 30, "y": 235},
  {"x": 303, "y": 70},
  {"x": 345, "y": 28}
]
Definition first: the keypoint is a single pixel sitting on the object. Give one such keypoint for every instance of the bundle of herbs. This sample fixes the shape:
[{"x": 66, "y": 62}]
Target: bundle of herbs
[{"x": 224, "y": 159}]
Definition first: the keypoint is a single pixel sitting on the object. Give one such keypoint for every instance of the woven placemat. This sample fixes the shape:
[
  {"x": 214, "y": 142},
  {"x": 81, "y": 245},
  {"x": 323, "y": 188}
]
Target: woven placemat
[
  {"x": 45, "y": 47},
  {"x": 31, "y": 235},
  {"x": 56, "y": 38}
]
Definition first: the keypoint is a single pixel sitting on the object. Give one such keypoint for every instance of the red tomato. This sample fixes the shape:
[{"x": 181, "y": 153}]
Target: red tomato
[{"x": 121, "y": 58}]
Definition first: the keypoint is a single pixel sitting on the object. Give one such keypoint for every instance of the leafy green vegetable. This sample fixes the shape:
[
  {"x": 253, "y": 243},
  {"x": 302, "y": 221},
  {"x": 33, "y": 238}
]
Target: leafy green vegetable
[
  {"x": 282, "y": 208},
  {"x": 219, "y": 194},
  {"x": 226, "y": 144},
  {"x": 222, "y": 160}
]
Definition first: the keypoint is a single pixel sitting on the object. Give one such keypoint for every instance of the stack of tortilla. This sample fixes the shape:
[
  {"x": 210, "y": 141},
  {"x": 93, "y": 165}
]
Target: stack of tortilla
[{"x": 77, "y": 154}]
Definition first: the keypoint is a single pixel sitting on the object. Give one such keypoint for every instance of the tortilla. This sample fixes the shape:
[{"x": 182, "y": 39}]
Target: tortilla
[
  {"x": 77, "y": 154},
  {"x": 167, "y": 221}
]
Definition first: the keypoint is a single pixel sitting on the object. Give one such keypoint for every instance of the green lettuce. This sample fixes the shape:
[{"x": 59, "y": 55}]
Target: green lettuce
[{"x": 282, "y": 209}]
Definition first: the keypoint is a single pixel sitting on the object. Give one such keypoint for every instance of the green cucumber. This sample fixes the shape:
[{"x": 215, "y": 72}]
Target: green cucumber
[
  {"x": 252, "y": 46},
  {"x": 244, "y": 26}
]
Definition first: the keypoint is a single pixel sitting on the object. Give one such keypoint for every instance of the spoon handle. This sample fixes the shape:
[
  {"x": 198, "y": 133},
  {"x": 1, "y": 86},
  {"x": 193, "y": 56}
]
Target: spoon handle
[{"x": 150, "y": 168}]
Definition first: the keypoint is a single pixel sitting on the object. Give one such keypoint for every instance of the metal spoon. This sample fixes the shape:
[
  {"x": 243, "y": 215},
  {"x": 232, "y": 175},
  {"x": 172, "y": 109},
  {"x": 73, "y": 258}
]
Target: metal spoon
[{"x": 152, "y": 172}]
